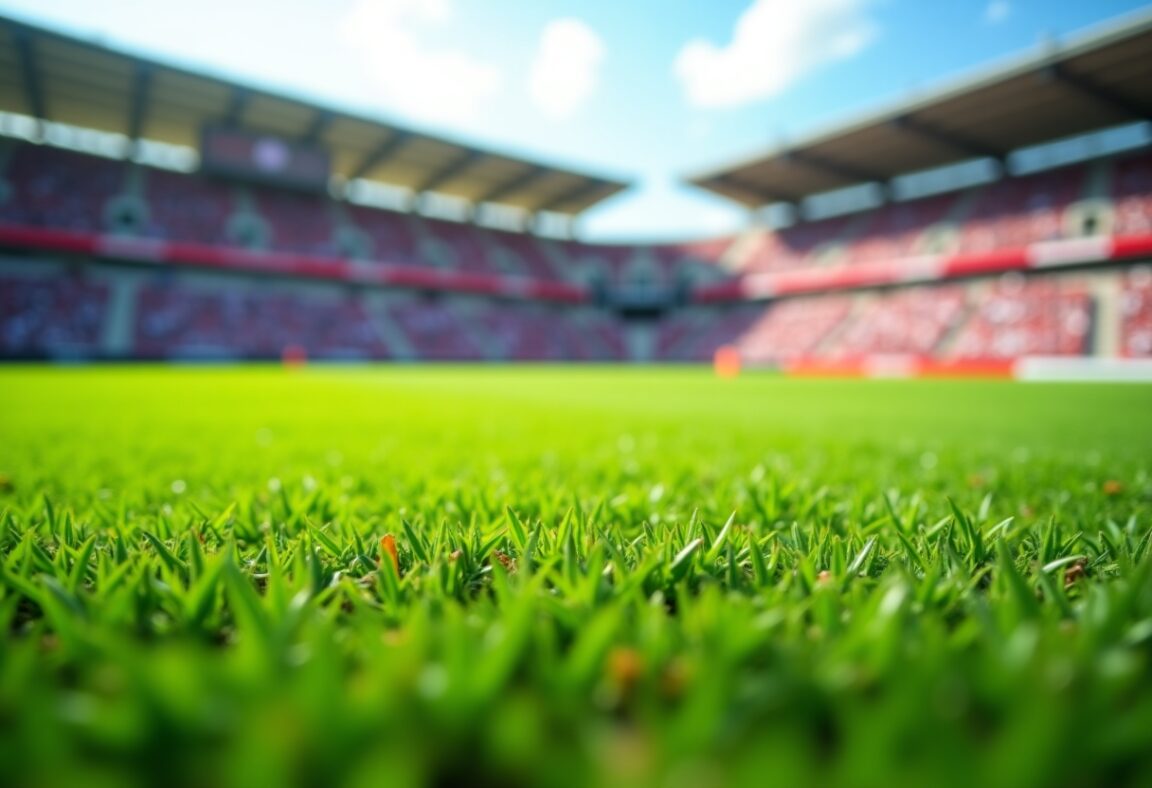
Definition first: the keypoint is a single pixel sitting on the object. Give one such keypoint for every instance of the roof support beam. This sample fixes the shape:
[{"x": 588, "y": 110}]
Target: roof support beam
[
  {"x": 317, "y": 127},
  {"x": 236, "y": 105},
  {"x": 448, "y": 171},
  {"x": 837, "y": 169},
  {"x": 1086, "y": 86},
  {"x": 33, "y": 91},
  {"x": 381, "y": 154},
  {"x": 138, "y": 104},
  {"x": 575, "y": 194},
  {"x": 949, "y": 139},
  {"x": 513, "y": 185}
]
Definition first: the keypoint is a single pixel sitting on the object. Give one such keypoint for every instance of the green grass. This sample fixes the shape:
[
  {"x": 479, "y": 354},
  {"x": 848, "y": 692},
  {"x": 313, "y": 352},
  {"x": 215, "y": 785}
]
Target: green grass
[{"x": 607, "y": 577}]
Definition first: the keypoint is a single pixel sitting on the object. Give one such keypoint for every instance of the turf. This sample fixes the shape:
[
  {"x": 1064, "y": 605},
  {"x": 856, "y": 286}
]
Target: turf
[{"x": 609, "y": 577}]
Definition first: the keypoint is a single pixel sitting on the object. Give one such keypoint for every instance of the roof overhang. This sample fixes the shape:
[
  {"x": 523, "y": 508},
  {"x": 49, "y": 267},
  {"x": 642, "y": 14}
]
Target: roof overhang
[
  {"x": 1099, "y": 79},
  {"x": 55, "y": 77}
]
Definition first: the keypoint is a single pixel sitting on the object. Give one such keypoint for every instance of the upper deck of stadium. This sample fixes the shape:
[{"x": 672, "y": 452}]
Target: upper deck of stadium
[
  {"x": 1095, "y": 80},
  {"x": 55, "y": 77}
]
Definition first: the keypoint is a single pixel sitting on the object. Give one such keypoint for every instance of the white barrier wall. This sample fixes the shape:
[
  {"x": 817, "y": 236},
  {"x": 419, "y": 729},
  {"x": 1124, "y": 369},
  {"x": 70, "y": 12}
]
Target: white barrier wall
[{"x": 1086, "y": 369}]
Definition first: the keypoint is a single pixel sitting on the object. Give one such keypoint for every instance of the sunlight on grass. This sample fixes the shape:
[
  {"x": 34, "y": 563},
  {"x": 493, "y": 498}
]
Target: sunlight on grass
[{"x": 571, "y": 577}]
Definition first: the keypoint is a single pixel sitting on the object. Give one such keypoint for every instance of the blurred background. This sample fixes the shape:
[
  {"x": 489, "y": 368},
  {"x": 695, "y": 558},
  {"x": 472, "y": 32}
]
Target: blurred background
[{"x": 846, "y": 187}]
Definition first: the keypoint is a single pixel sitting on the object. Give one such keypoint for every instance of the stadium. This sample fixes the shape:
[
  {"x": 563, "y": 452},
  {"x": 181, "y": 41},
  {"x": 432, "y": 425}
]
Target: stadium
[
  {"x": 111, "y": 258},
  {"x": 334, "y": 453}
]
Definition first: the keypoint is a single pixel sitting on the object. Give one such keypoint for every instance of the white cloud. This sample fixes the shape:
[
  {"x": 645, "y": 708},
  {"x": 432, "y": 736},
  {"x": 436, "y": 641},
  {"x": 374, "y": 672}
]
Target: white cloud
[
  {"x": 997, "y": 11},
  {"x": 411, "y": 75},
  {"x": 564, "y": 73},
  {"x": 775, "y": 43}
]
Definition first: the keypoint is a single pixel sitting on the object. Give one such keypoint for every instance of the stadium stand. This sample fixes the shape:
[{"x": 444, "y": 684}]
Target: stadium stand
[
  {"x": 297, "y": 222},
  {"x": 108, "y": 257},
  {"x": 1136, "y": 326},
  {"x": 715, "y": 330},
  {"x": 985, "y": 319},
  {"x": 905, "y": 229},
  {"x": 57, "y": 189},
  {"x": 438, "y": 331},
  {"x": 59, "y": 316},
  {"x": 1132, "y": 197},
  {"x": 794, "y": 329},
  {"x": 52, "y": 187},
  {"x": 1010, "y": 213},
  {"x": 184, "y": 207},
  {"x": 176, "y": 322},
  {"x": 910, "y": 321},
  {"x": 61, "y": 189},
  {"x": 1020, "y": 317},
  {"x": 390, "y": 236}
]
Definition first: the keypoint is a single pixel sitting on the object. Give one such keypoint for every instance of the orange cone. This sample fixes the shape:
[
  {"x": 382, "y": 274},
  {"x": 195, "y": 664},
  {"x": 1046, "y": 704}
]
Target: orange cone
[{"x": 726, "y": 361}]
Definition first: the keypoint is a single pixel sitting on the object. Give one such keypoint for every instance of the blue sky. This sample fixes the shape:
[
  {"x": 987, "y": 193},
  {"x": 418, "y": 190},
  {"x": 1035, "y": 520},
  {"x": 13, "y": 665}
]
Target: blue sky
[{"x": 645, "y": 89}]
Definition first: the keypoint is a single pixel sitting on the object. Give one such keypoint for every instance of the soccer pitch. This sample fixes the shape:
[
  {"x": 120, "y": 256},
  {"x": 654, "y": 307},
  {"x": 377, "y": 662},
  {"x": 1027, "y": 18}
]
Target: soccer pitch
[{"x": 594, "y": 577}]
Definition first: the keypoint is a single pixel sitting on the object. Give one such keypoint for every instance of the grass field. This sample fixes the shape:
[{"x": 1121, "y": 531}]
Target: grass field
[{"x": 600, "y": 577}]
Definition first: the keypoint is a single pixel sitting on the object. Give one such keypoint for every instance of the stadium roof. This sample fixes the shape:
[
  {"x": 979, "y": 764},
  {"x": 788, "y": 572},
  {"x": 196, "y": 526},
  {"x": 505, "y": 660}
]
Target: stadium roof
[
  {"x": 1100, "y": 79},
  {"x": 54, "y": 77}
]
